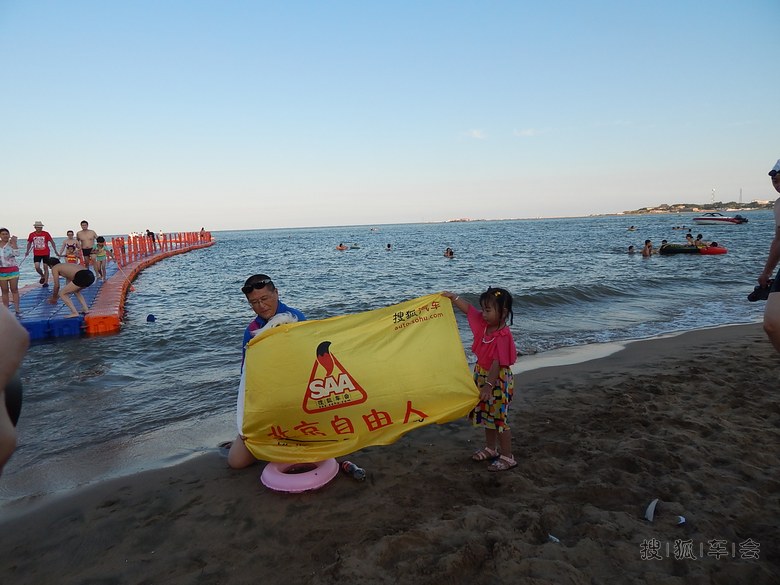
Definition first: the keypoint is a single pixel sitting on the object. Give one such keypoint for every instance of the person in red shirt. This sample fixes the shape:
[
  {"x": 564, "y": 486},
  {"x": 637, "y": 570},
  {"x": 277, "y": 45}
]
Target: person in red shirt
[{"x": 39, "y": 241}]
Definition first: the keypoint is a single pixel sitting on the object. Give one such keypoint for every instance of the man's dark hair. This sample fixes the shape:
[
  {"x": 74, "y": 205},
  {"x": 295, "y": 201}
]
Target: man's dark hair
[{"x": 257, "y": 281}]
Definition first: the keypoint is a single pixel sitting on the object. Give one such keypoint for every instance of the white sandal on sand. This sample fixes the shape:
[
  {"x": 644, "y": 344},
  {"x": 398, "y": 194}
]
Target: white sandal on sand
[
  {"x": 503, "y": 463},
  {"x": 484, "y": 454}
]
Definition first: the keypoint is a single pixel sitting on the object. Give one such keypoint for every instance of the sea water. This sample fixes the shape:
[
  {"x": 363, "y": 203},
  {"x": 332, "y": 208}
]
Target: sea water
[{"x": 161, "y": 391}]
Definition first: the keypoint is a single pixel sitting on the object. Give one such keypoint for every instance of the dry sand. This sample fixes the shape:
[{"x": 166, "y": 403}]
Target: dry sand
[{"x": 693, "y": 420}]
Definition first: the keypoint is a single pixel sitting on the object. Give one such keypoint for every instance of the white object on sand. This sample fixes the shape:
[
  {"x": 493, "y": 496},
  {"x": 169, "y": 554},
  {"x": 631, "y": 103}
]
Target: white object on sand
[{"x": 650, "y": 511}]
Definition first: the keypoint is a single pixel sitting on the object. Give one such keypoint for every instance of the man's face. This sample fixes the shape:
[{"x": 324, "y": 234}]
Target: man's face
[
  {"x": 264, "y": 301},
  {"x": 84, "y": 225},
  {"x": 776, "y": 182}
]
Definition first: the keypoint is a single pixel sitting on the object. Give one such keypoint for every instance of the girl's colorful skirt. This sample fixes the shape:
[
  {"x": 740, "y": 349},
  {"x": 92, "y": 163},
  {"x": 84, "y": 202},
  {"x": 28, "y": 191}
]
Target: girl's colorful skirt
[
  {"x": 9, "y": 272},
  {"x": 492, "y": 414}
]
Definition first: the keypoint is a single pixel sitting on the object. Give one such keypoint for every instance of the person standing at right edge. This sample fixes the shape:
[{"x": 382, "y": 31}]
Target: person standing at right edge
[{"x": 772, "y": 310}]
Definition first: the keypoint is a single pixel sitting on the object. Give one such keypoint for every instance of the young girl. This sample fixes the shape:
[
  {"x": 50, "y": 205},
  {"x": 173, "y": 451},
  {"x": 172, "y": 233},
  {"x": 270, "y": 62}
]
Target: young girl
[
  {"x": 71, "y": 249},
  {"x": 101, "y": 257},
  {"x": 495, "y": 349},
  {"x": 9, "y": 269}
]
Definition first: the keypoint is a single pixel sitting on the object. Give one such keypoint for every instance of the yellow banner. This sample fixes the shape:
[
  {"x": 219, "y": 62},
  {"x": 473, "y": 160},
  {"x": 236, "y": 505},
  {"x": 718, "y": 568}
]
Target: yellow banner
[{"x": 320, "y": 389}]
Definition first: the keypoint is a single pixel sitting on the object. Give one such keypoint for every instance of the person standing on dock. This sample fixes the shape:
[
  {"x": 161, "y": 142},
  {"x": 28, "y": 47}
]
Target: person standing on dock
[
  {"x": 9, "y": 270},
  {"x": 39, "y": 241},
  {"x": 76, "y": 278},
  {"x": 152, "y": 239},
  {"x": 71, "y": 250},
  {"x": 772, "y": 309},
  {"x": 86, "y": 238},
  {"x": 102, "y": 255}
]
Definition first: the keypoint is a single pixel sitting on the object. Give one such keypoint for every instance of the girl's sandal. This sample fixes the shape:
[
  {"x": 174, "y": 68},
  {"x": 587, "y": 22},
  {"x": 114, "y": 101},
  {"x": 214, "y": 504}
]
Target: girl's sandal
[
  {"x": 503, "y": 463},
  {"x": 484, "y": 454}
]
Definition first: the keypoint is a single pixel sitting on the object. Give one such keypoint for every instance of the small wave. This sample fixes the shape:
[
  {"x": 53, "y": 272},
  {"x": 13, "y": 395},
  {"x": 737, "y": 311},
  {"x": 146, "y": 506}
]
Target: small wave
[{"x": 571, "y": 295}]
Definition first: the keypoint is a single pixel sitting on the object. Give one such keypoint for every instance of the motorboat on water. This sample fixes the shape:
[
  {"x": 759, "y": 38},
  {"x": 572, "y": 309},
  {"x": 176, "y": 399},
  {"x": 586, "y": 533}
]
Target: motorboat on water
[{"x": 715, "y": 218}]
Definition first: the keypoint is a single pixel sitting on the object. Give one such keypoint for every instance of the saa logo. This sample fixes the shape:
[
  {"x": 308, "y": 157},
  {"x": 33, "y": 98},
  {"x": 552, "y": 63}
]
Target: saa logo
[{"x": 330, "y": 384}]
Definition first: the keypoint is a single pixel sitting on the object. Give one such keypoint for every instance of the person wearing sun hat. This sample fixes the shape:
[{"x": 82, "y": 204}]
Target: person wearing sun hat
[
  {"x": 772, "y": 310},
  {"x": 39, "y": 241}
]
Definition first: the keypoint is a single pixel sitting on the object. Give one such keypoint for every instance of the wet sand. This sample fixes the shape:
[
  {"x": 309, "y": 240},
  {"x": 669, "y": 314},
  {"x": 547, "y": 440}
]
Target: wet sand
[{"x": 692, "y": 420}]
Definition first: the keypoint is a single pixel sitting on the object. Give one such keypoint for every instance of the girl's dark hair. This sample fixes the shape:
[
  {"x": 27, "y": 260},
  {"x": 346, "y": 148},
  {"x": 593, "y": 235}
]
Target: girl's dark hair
[
  {"x": 101, "y": 240},
  {"x": 501, "y": 297}
]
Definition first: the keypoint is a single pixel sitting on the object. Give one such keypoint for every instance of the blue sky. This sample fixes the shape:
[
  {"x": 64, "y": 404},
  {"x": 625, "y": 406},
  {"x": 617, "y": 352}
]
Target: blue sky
[{"x": 172, "y": 115}]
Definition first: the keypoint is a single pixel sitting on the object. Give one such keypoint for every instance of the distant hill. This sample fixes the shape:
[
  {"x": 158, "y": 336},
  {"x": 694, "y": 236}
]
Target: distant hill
[{"x": 700, "y": 207}]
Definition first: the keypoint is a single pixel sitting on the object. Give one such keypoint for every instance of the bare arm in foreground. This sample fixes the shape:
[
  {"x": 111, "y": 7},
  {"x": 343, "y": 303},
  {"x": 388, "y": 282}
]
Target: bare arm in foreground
[{"x": 15, "y": 343}]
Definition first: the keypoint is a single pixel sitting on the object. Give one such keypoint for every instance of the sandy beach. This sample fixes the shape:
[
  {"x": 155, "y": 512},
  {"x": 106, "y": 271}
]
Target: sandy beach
[{"x": 693, "y": 420}]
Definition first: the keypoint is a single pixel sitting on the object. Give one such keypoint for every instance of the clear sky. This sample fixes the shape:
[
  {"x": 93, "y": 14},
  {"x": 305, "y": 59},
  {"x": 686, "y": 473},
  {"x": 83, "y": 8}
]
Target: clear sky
[{"x": 172, "y": 115}]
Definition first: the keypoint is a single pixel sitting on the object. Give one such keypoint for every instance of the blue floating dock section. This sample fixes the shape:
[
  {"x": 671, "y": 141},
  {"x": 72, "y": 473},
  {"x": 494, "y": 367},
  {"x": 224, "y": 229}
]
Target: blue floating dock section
[{"x": 44, "y": 320}]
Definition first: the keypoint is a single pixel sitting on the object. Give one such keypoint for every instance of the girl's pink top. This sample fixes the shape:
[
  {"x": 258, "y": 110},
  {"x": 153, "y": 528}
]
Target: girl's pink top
[{"x": 499, "y": 345}]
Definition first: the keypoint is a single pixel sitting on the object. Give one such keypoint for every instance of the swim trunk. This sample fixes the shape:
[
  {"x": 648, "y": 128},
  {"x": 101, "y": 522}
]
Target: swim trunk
[
  {"x": 9, "y": 272},
  {"x": 37, "y": 258},
  {"x": 83, "y": 278},
  {"x": 86, "y": 252},
  {"x": 776, "y": 283}
]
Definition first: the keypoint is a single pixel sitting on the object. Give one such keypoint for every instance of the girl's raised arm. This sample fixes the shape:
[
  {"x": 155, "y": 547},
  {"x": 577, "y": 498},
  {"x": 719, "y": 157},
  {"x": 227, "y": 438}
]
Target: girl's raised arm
[{"x": 462, "y": 304}]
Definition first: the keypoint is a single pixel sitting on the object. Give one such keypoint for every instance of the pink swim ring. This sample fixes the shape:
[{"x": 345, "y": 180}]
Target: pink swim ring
[{"x": 298, "y": 477}]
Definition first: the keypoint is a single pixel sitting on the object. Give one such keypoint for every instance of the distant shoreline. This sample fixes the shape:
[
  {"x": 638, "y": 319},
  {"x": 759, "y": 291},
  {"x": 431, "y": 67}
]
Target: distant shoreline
[
  {"x": 701, "y": 208},
  {"x": 644, "y": 211},
  {"x": 664, "y": 209}
]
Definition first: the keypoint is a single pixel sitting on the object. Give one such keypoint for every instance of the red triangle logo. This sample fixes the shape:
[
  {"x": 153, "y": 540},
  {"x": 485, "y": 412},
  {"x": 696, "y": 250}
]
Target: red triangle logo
[{"x": 330, "y": 384}]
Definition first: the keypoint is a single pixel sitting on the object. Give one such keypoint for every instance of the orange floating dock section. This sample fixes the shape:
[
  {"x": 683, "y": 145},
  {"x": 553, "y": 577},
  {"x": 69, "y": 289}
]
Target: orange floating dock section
[
  {"x": 106, "y": 300},
  {"x": 133, "y": 255}
]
